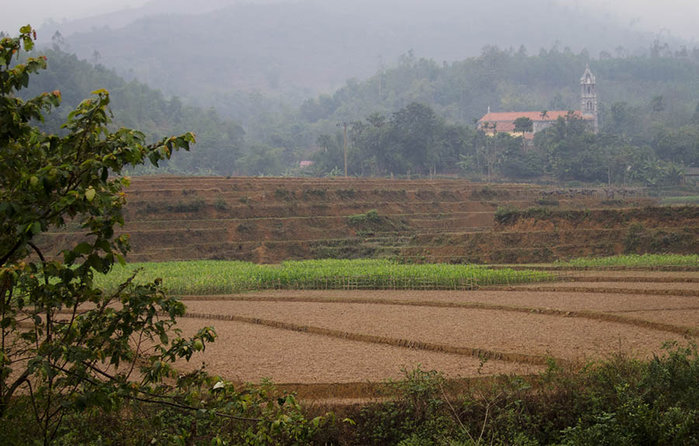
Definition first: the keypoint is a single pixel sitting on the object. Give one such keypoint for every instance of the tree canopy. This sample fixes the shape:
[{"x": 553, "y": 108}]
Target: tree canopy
[{"x": 67, "y": 346}]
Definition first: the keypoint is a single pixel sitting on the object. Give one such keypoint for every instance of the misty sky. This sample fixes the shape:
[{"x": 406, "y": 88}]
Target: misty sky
[
  {"x": 36, "y": 12},
  {"x": 678, "y": 17}
]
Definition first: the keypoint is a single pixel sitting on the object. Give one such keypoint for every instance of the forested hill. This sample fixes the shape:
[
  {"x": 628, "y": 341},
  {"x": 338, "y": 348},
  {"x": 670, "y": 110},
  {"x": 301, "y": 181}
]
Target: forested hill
[
  {"x": 507, "y": 80},
  {"x": 297, "y": 49},
  {"x": 135, "y": 105},
  {"x": 650, "y": 103}
]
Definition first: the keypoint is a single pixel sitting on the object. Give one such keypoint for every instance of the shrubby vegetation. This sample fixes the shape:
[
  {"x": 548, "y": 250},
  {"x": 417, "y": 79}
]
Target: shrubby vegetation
[
  {"x": 414, "y": 140},
  {"x": 68, "y": 366},
  {"x": 70, "y": 352},
  {"x": 614, "y": 402}
]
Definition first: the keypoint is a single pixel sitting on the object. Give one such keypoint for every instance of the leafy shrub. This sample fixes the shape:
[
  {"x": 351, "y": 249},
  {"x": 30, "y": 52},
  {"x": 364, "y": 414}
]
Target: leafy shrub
[
  {"x": 620, "y": 401},
  {"x": 190, "y": 206},
  {"x": 221, "y": 204},
  {"x": 314, "y": 194},
  {"x": 371, "y": 216},
  {"x": 506, "y": 215},
  {"x": 282, "y": 193},
  {"x": 547, "y": 202},
  {"x": 346, "y": 194}
]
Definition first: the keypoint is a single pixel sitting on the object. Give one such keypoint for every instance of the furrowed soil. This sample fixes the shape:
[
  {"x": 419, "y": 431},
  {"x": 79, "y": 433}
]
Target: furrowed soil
[
  {"x": 334, "y": 345},
  {"x": 267, "y": 220},
  {"x": 342, "y": 344}
]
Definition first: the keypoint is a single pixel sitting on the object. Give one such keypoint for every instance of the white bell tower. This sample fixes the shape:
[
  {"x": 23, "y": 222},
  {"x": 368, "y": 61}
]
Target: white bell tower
[{"x": 588, "y": 96}]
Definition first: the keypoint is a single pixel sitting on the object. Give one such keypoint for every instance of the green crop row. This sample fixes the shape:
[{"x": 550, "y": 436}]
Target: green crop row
[
  {"x": 685, "y": 199},
  {"x": 635, "y": 260},
  {"x": 220, "y": 277}
]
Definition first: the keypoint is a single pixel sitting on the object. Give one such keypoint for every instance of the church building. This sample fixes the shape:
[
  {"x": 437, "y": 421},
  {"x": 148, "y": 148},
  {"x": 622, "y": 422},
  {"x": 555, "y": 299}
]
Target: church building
[{"x": 494, "y": 122}]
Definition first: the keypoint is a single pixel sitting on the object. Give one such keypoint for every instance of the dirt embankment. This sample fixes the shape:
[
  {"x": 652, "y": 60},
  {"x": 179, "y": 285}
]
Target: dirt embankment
[{"x": 273, "y": 219}]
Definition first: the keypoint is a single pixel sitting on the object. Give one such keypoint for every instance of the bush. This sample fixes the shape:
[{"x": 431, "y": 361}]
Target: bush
[
  {"x": 620, "y": 401},
  {"x": 371, "y": 216}
]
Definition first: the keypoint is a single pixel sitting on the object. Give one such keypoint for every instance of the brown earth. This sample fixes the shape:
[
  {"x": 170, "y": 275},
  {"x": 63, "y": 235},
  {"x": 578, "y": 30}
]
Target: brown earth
[
  {"x": 268, "y": 220},
  {"x": 491, "y": 330},
  {"x": 522, "y": 299},
  {"x": 340, "y": 344},
  {"x": 248, "y": 353},
  {"x": 688, "y": 317}
]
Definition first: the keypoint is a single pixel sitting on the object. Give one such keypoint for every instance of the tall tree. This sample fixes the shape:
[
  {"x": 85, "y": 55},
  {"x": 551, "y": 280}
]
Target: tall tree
[
  {"x": 523, "y": 125},
  {"x": 63, "y": 341}
]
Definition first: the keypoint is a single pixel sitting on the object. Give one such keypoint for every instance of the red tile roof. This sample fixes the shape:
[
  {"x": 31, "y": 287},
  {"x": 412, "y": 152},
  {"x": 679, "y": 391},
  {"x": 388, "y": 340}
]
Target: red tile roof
[
  {"x": 505, "y": 122},
  {"x": 533, "y": 115}
]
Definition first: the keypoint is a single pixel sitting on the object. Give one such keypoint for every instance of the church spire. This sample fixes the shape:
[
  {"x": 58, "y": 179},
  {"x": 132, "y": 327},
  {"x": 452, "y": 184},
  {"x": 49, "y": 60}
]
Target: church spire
[{"x": 588, "y": 95}]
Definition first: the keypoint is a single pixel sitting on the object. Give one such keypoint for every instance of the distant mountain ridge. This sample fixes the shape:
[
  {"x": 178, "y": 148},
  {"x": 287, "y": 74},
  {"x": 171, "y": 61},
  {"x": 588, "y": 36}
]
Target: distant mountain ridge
[{"x": 297, "y": 49}]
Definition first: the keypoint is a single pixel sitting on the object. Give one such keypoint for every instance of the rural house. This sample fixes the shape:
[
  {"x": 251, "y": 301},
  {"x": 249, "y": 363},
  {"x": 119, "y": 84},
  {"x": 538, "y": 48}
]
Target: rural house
[{"x": 494, "y": 122}]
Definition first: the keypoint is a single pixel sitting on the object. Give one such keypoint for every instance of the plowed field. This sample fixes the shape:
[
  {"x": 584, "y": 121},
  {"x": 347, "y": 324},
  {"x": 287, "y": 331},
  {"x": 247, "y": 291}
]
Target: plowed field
[{"x": 327, "y": 343}]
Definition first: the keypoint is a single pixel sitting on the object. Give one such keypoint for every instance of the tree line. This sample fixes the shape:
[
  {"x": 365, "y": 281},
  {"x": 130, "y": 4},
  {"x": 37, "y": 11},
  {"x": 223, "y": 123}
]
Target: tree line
[
  {"x": 418, "y": 117},
  {"x": 416, "y": 141}
]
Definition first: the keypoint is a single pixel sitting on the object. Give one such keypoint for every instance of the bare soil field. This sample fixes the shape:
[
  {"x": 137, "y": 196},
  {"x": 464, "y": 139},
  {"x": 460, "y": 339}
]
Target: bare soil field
[
  {"x": 342, "y": 342},
  {"x": 662, "y": 287},
  {"x": 332, "y": 339},
  {"x": 491, "y": 330},
  {"x": 268, "y": 220},
  {"x": 527, "y": 301},
  {"x": 687, "y": 317},
  {"x": 248, "y": 353}
]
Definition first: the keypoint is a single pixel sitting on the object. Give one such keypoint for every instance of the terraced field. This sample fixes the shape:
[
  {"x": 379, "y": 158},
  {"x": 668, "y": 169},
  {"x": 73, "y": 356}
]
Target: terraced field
[
  {"x": 341, "y": 344},
  {"x": 267, "y": 220},
  {"x": 338, "y": 344}
]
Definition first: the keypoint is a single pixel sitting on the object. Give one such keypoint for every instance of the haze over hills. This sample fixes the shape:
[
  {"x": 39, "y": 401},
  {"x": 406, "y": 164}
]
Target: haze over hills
[
  {"x": 273, "y": 79},
  {"x": 297, "y": 49}
]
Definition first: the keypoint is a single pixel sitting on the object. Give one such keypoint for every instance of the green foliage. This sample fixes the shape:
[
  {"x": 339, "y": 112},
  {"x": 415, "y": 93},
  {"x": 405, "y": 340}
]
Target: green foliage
[
  {"x": 220, "y": 277},
  {"x": 370, "y": 217},
  {"x": 220, "y": 143},
  {"x": 523, "y": 125},
  {"x": 636, "y": 144},
  {"x": 64, "y": 341},
  {"x": 413, "y": 140},
  {"x": 509, "y": 215},
  {"x": 205, "y": 411},
  {"x": 658, "y": 406},
  {"x": 618, "y": 401},
  {"x": 416, "y": 415},
  {"x": 570, "y": 150},
  {"x": 79, "y": 365},
  {"x": 220, "y": 204},
  {"x": 284, "y": 194},
  {"x": 188, "y": 206},
  {"x": 635, "y": 260},
  {"x": 506, "y": 215},
  {"x": 432, "y": 134}
]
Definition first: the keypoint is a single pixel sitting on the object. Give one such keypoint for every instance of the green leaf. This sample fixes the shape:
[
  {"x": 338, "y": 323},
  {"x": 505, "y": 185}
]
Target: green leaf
[
  {"x": 33, "y": 228},
  {"x": 83, "y": 248}
]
